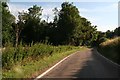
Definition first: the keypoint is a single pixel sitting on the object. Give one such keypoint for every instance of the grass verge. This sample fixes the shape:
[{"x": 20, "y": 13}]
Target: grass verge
[
  {"x": 32, "y": 68},
  {"x": 111, "y": 49}
]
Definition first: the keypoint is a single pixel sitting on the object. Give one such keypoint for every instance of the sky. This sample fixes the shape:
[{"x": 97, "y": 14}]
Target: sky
[
  {"x": 63, "y": 0},
  {"x": 100, "y": 13}
]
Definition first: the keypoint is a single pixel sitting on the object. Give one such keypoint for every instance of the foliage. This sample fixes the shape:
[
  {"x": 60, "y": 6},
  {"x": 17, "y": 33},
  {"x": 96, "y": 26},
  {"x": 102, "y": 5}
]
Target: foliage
[
  {"x": 70, "y": 28},
  {"x": 101, "y": 37},
  {"x": 111, "y": 49},
  {"x": 32, "y": 30},
  {"x": 117, "y": 31},
  {"x": 32, "y": 68},
  {"x": 67, "y": 28},
  {"x": 112, "y": 34},
  {"x": 7, "y": 20},
  {"x": 12, "y": 55}
]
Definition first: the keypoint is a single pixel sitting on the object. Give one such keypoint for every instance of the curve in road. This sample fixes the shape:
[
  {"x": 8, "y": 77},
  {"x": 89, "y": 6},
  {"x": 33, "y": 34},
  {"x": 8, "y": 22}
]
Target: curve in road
[{"x": 85, "y": 64}]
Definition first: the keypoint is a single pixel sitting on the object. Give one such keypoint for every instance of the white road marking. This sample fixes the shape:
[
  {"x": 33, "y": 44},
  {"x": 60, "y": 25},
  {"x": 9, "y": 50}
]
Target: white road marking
[
  {"x": 107, "y": 59},
  {"x": 53, "y": 67}
]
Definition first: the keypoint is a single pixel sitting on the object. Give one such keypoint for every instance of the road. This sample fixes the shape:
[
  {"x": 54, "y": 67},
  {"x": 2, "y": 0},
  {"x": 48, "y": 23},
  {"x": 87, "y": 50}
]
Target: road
[{"x": 85, "y": 64}]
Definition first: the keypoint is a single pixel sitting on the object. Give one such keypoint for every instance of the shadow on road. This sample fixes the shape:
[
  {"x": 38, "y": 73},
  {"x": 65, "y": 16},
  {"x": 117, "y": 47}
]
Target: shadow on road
[{"x": 97, "y": 67}]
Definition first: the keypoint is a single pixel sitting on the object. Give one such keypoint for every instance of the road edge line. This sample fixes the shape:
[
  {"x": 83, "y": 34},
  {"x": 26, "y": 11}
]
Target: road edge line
[
  {"x": 41, "y": 75},
  {"x": 107, "y": 59}
]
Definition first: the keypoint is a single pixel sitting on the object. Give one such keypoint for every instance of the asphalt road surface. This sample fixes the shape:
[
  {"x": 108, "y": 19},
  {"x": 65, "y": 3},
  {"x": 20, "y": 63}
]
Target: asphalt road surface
[{"x": 85, "y": 64}]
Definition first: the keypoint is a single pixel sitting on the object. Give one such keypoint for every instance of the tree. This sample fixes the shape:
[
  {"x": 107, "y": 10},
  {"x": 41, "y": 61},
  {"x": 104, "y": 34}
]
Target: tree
[
  {"x": 56, "y": 17},
  {"x": 68, "y": 27},
  {"x": 117, "y": 31},
  {"x": 71, "y": 28},
  {"x": 109, "y": 34},
  {"x": 7, "y": 20},
  {"x": 101, "y": 37},
  {"x": 84, "y": 33},
  {"x": 68, "y": 20},
  {"x": 18, "y": 27},
  {"x": 32, "y": 30}
]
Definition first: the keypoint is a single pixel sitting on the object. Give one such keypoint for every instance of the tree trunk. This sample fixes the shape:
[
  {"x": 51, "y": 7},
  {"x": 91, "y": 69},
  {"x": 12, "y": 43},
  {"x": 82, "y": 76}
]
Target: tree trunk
[{"x": 17, "y": 36}]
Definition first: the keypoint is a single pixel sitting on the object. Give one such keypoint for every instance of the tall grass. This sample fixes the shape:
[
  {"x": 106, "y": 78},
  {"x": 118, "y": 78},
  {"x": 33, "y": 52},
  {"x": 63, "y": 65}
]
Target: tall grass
[
  {"x": 111, "y": 49},
  {"x": 12, "y": 55},
  {"x": 31, "y": 60}
]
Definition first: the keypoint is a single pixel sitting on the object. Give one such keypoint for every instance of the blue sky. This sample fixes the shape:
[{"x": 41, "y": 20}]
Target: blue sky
[
  {"x": 102, "y": 14},
  {"x": 64, "y": 0}
]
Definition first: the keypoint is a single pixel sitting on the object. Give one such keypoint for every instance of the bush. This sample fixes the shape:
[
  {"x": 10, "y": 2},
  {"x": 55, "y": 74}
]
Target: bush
[
  {"x": 12, "y": 55},
  {"x": 111, "y": 49}
]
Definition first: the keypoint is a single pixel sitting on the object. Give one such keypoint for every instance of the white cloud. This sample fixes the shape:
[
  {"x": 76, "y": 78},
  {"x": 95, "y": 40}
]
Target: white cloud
[
  {"x": 105, "y": 17},
  {"x": 109, "y": 8},
  {"x": 47, "y": 10},
  {"x": 15, "y": 8},
  {"x": 106, "y": 27},
  {"x": 115, "y": 5},
  {"x": 83, "y": 10},
  {"x": 90, "y": 14},
  {"x": 64, "y": 0}
]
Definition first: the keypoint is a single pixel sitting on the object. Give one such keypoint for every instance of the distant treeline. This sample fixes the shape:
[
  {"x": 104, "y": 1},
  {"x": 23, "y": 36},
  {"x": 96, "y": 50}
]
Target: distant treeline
[{"x": 67, "y": 28}]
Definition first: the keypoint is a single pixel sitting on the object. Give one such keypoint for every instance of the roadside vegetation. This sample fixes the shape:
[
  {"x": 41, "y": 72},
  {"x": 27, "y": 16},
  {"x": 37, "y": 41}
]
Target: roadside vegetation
[
  {"x": 28, "y": 62},
  {"x": 12, "y": 55},
  {"x": 31, "y": 44},
  {"x": 111, "y": 49}
]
